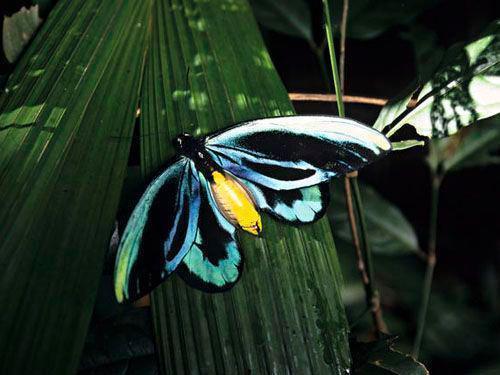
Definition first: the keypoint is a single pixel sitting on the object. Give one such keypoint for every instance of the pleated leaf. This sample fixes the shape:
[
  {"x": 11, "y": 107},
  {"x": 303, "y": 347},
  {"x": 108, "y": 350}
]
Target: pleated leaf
[
  {"x": 66, "y": 121},
  {"x": 285, "y": 315}
]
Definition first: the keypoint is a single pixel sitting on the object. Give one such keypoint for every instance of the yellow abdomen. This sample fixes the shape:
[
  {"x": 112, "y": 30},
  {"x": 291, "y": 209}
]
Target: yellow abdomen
[{"x": 235, "y": 203}]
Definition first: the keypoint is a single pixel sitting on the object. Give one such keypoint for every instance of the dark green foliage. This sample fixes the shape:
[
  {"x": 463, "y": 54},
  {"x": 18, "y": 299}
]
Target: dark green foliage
[
  {"x": 428, "y": 53},
  {"x": 292, "y": 17},
  {"x": 477, "y": 148},
  {"x": 388, "y": 230},
  {"x": 459, "y": 328},
  {"x": 379, "y": 357},
  {"x": 370, "y": 18},
  {"x": 65, "y": 129},
  {"x": 120, "y": 338}
]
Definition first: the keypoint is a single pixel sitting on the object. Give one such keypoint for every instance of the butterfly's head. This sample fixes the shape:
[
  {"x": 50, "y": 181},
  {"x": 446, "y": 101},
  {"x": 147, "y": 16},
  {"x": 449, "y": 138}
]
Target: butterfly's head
[{"x": 185, "y": 143}]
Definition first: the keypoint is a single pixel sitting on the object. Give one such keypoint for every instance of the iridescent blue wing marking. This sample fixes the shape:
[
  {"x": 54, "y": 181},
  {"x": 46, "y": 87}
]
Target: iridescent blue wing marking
[
  {"x": 160, "y": 231},
  {"x": 214, "y": 263},
  {"x": 299, "y": 206},
  {"x": 287, "y": 153}
]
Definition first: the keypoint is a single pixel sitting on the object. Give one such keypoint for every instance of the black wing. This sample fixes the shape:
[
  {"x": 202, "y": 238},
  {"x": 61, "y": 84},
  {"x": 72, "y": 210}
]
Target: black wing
[
  {"x": 160, "y": 231},
  {"x": 287, "y": 153}
]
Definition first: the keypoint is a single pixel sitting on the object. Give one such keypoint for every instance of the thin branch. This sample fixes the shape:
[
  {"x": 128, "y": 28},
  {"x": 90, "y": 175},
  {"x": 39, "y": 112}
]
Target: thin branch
[
  {"x": 364, "y": 256},
  {"x": 317, "y": 97},
  {"x": 357, "y": 246},
  {"x": 355, "y": 236},
  {"x": 354, "y": 202},
  {"x": 343, "y": 32},
  {"x": 431, "y": 263},
  {"x": 313, "y": 97}
]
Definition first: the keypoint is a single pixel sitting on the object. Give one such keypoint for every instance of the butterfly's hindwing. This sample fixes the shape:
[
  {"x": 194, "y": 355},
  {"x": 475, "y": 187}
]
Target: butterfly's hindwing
[
  {"x": 300, "y": 206},
  {"x": 213, "y": 263},
  {"x": 287, "y": 153},
  {"x": 160, "y": 231}
]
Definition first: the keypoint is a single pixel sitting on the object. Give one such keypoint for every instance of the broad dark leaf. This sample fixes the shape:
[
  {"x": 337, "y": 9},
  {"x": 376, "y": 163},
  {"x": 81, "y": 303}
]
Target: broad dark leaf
[
  {"x": 478, "y": 147},
  {"x": 120, "y": 340},
  {"x": 428, "y": 54},
  {"x": 455, "y": 330},
  {"x": 143, "y": 365},
  {"x": 291, "y": 17},
  {"x": 492, "y": 369},
  {"x": 370, "y": 18},
  {"x": 379, "y": 357},
  {"x": 389, "y": 231},
  {"x": 118, "y": 344}
]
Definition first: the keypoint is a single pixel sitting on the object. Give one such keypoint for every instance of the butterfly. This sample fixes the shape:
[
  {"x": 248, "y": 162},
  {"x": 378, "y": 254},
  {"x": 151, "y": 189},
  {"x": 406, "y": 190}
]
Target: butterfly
[{"x": 186, "y": 220}]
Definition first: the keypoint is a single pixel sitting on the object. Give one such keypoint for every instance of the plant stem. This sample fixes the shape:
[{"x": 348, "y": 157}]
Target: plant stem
[
  {"x": 343, "y": 32},
  {"x": 372, "y": 295},
  {"x": 333, "y": 59},
  {"x": 353, "y": 199},
  {"x": 431, "y": 262},
  {"x": 363, "y": 254}
]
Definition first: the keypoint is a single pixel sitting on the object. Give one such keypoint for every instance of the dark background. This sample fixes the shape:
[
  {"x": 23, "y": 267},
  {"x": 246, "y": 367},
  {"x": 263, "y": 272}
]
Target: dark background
[
  {"x": 383, "y": 67},
  {"x": 462, "y": 333}
]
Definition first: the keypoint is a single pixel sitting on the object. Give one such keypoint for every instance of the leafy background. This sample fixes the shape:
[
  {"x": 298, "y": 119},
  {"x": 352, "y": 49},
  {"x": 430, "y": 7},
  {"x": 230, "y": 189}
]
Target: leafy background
[
  {"x": 389, "y": 44},
  {"x": 396, "y": 42}
]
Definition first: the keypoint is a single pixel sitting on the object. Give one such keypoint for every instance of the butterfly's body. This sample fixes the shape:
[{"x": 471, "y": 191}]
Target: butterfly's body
[
  {"x": 187, "y": 218},
  {"x": 233, "y": 200},
  {"x": 192, "y": 148}
]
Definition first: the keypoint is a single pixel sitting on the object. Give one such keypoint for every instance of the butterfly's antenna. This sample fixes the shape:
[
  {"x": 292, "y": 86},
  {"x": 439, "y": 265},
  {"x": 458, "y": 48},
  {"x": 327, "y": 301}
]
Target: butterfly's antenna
[
  {"x": 187, "y": 76},
  {"x": 188, "y": 91}
]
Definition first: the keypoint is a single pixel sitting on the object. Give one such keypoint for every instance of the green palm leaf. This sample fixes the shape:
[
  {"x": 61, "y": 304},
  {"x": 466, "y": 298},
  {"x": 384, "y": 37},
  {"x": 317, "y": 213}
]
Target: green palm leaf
[
  {"x": 285, "y": 314},
  {"x": 66, "y": 125},
  {"x": 66, "y": 122}
]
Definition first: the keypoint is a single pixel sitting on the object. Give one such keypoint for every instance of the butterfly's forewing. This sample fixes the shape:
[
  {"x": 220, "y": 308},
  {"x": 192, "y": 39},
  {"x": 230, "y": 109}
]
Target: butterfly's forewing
[
  {"x": 287, "y": 153},
  {"x": 299, "y": 206},
  {"x": 160, "y": 231},
  {"x": 214, "y": 263}
]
